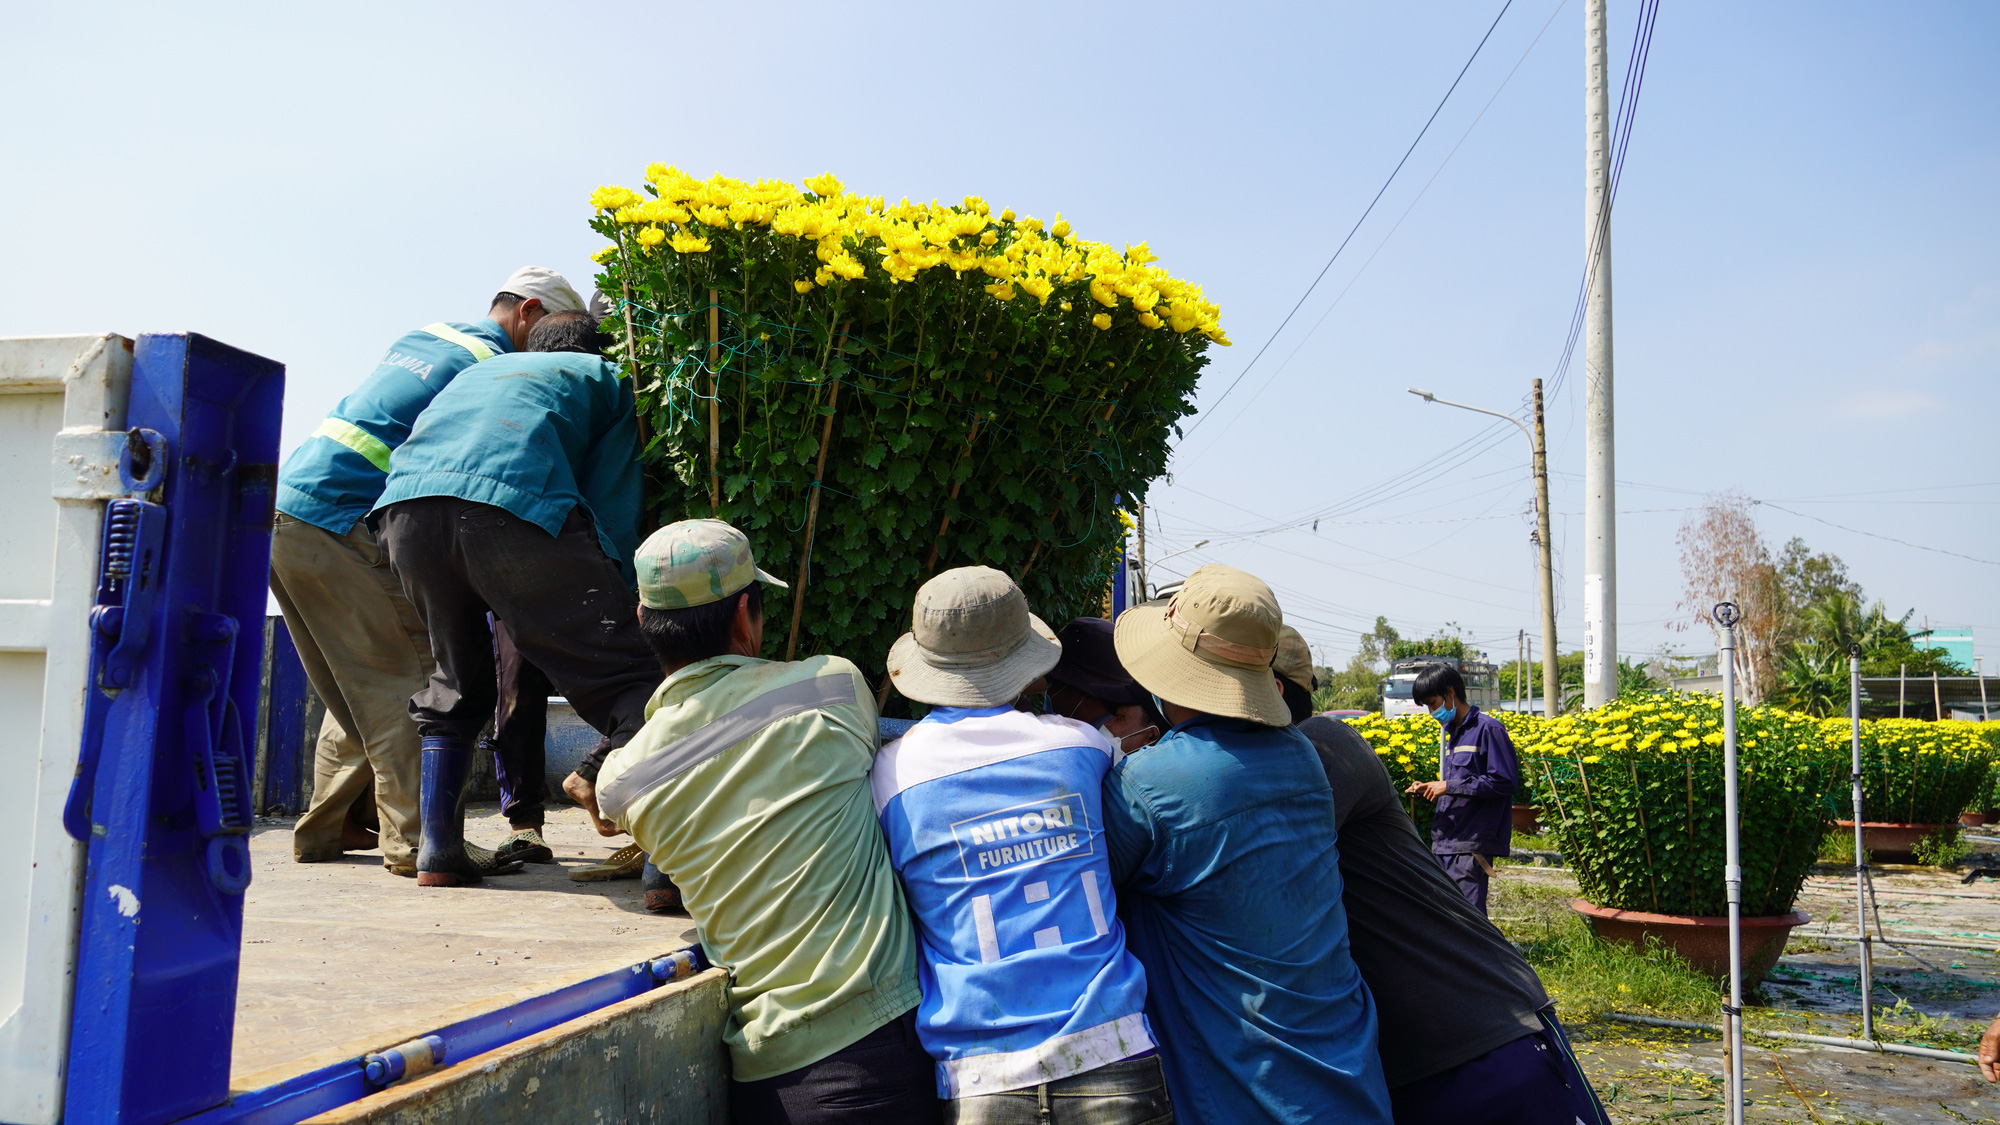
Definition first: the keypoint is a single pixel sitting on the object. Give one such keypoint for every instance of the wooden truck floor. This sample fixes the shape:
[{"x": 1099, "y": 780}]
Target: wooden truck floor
[{"x": 342, "y": 958}]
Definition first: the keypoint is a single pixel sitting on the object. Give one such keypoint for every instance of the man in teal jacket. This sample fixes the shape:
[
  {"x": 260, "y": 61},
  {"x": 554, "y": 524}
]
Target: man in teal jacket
[
  {"x": 517, "y": 494},
  {"x": 360, "y": 639}
]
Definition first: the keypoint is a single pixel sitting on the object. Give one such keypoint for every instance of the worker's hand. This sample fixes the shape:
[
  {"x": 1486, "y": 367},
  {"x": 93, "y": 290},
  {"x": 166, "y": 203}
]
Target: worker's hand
[
  {"x": 1989, "y": 1052},
  {"x": 584, "y": 793},
  {"x": 1428, "y": 790}
]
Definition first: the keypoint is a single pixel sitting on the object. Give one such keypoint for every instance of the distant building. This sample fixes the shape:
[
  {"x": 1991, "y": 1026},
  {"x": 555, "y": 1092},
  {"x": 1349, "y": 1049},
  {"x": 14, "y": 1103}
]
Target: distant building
[{"x": 1955, "y": 643}]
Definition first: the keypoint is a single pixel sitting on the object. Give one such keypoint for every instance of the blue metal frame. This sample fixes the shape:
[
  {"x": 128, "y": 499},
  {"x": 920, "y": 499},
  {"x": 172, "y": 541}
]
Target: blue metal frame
[
  {"x": 296, "y": 1099},
  {"x": 163, "y": 797},
  {"x": 286, "y": 781}
]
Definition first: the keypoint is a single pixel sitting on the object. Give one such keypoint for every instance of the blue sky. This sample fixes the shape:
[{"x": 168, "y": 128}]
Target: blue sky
[{"x": 1806, "y": 248}]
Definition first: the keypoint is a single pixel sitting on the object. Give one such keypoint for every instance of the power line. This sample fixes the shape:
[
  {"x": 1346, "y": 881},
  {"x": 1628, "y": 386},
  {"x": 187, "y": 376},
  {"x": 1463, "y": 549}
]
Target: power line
[
  {"x": 1421, "y": 192},
  {"x": 1357, "y": 224},
  {"x": 1873, "y": 535}
]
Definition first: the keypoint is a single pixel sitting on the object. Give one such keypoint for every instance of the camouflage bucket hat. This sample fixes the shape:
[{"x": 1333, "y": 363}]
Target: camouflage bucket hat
[{"x": 695, "y": 562}]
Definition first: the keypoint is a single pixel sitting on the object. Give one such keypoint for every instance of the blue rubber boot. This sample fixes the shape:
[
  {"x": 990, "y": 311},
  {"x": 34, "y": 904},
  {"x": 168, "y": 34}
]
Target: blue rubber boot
[{"x": 441, "y": 858}]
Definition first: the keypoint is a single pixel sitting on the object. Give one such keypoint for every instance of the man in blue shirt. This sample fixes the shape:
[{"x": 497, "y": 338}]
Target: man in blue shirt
[
  {"x": 994, "y": 822},
  {"x": 517, "y": 494},
  {"x": 360, "y": 639},
  {"x": 1222, "y": 841},
  {"x": 1474, "y": 791}
]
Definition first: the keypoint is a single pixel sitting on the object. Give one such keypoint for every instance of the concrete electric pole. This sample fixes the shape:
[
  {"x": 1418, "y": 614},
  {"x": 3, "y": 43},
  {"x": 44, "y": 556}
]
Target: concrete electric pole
[
  {"x": 1551, "y": 675},
  {"x": 1600, "y": 532}
]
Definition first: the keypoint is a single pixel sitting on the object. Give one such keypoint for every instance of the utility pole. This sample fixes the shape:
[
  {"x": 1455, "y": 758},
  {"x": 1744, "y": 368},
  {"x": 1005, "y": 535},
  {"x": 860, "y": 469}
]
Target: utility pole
[
  {"x": 1144, "y": 594},
  {"x": 1520, "y": 670},
  {"x": 1550, "y": 704},
  {"x": 1600, "y": 533},
  {"x": 1551, "y": 675}
]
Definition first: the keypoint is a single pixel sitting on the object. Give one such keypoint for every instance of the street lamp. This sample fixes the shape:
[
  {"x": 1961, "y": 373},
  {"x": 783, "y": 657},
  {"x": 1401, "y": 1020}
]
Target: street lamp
[
  {"x": 1146, "y": 582},
  {"x": 1551, "y": 687}
]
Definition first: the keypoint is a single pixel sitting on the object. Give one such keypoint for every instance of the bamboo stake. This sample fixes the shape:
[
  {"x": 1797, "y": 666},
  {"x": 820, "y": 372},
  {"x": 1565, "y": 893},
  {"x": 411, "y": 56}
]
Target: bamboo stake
[
  {"x": 632, "y": 357},
  {"x": 812, "y": 510},
  {"x": 931, "y": 562},
  {"x": 714, "y": 406}
]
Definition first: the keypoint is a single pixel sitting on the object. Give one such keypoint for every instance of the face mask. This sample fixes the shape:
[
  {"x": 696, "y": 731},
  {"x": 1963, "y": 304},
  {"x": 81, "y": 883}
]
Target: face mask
[
  {"x": 1104, "y": 725},
  {"x": 1445, "y": 715}
]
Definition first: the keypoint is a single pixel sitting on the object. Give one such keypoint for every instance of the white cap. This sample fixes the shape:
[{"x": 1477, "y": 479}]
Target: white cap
[{"x": 552, "y": 288}]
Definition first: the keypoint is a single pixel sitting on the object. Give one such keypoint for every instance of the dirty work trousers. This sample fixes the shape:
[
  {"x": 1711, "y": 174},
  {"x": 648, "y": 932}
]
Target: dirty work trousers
[
  {"x": 1470, "y": 872},
  {"x": 565, "y": 603},
  {"x": 1535, "y": 1080},
  {"x": 520, "y": 732},
  {"x": 365, "y": 652}
]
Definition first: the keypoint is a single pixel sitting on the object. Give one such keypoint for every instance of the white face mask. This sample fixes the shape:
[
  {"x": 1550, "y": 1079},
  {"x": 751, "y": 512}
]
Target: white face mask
[{"x": 1104, "y": 725}]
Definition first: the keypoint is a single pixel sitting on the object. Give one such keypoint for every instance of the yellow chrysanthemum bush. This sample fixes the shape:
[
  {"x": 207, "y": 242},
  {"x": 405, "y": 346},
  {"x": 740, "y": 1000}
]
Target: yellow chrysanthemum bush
[
  {"x": 989, "y": 388},
  {"x": 1632, "y": 792},
  {"x": 1408, "y": 746},
  {"x": 1912, "y": 771}
]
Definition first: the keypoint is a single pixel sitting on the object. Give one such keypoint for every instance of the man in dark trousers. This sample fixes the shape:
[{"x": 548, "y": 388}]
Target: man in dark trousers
[
  {"x": 1474, "y": 793},
  {"x": 1467, "y": 1035},
  {"x": 517, "y": 494}
]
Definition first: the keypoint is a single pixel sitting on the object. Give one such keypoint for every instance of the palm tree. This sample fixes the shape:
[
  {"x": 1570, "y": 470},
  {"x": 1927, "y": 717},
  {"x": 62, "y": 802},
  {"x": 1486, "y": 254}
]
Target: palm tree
[{"x": 1812, "y": 680}]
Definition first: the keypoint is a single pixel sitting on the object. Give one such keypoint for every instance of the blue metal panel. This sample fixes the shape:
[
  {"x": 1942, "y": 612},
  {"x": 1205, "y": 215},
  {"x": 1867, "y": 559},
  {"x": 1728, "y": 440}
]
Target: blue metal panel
[
  {"x": 164, "y": 802},
  {"x": 286, "y": 784}
]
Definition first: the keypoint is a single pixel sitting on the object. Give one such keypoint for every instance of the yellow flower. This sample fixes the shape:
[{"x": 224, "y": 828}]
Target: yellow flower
[
  {"x": 976, "y": 205},
  {"x": 1151, "y": 321},
  {"x": 1004, "y": 290},
  {"x": 803, "y": 286},
  {"x": 1102, "y": 320},
  {"x": 824, "y": 184},
  {"x": 603, "y": 254},
  {"x": 1061, "y": 229},
  {"x": 613, "y": 198},
  {"x": 685, "y": 243},
  {"x": 1065, "y": 304},
  {"x": 653, "y": 236},
  {"x": 1007, "y": 216},
  {"x": 988, "y": 239}
]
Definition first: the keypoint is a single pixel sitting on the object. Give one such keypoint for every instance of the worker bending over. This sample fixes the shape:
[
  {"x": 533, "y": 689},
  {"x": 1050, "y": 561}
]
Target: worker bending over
[
  {"x": 1477, "y": 776},
  {"x": 995, "y": 823},
  {"x": 361, "y": 641},
  {"x": 749, "y": 787},
  {"x": 1222, "y": 840},
  {"x": 1467, "y": 1035},
  {"x": 517, "y": 494}
]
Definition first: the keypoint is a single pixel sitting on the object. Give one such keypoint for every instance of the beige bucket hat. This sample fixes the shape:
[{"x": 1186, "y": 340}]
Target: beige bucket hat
[
  {"x": 1295, "y": 658},
  {"x": 1211, "y": 647},
  {"x": 972, "y": 642}
]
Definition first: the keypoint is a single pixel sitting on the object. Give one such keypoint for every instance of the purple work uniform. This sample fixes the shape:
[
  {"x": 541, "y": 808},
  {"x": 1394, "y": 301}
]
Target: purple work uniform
[{"x": 1474, "y": 822}]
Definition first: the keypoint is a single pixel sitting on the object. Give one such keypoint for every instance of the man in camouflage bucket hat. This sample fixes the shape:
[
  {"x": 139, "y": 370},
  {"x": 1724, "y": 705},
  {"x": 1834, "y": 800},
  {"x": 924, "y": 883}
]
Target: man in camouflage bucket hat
[{"x": 749, "y": 787}]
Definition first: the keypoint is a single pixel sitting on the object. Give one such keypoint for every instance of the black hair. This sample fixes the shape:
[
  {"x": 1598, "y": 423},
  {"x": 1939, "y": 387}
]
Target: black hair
[
  {"x": 502, "y": 302},
  {"x": 1297, "y": 699},
  {"x": 1435, "y": 680},
  {"x": 566, "y": 332},
  {"x": 683, "y": 636}
]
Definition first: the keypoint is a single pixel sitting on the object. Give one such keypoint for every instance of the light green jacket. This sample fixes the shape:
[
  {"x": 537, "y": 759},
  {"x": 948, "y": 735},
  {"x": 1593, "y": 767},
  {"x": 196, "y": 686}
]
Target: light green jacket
[{"x": 774, "y": 845}]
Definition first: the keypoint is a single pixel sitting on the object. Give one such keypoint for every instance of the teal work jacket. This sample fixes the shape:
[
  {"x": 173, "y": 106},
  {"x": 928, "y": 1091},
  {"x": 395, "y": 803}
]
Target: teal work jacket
[
  {"x": 535, "y": 433},
  {"x": 333, "y": 479}
]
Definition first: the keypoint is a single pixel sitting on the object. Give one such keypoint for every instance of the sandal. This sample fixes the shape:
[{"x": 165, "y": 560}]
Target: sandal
[
  {"x": 621, "y": 864},
  {"x": 527, "y": 846}
]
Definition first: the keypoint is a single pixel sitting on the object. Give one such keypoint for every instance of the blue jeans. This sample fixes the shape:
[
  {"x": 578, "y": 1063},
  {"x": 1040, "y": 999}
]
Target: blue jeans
[{"x": 1129, "y": 1092}]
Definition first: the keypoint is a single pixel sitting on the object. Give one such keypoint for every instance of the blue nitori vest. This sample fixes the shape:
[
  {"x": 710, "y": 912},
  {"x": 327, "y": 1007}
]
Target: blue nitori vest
[
  {"x": 334, "y": 477},
  {"x": 994, "y": 823}
]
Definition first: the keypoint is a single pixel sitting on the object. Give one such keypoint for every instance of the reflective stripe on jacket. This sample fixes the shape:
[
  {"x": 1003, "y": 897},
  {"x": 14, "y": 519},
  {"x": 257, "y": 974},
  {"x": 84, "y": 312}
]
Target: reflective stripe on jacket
[
  {"x": 335, "y": 476},
  {"x": 1476, "y": 814}
]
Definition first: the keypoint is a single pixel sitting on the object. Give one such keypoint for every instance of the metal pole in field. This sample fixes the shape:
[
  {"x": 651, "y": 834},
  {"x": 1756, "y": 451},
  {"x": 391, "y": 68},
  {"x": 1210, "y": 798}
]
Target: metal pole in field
[
  {"x": 1551, "y": 675},
  {"x": 1726, "y": 615},
  {"x": 1979, "y": 672},
  {"x": 1600, "y": 544},
  {"x": 1520, "y": 669},
  {"x": 1860, "y": 857},
  {"x": 1937, "y": 699},
  {"x": 1902, "y": 687}
]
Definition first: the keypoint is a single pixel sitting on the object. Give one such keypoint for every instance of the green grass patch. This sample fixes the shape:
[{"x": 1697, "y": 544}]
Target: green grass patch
[{"x": 1587, "y": 977}]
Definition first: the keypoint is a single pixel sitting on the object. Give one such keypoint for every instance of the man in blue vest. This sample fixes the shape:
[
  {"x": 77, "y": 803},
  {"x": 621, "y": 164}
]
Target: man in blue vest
[
  {"x": 360, "y": 639},
  {"x": 517, "y": 494}
]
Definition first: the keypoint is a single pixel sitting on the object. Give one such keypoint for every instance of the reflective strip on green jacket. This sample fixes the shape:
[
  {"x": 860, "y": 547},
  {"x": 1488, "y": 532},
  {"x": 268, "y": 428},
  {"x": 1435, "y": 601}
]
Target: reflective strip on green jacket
[{"x": 335, "y": 476}]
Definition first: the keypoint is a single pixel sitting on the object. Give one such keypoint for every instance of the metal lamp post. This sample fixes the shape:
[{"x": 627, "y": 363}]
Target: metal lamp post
[
  {"x": 1145, "y": 569},
  {"x": 1726, "y": 615},
  {"x": 1551, "y": 675},
  {"x": 1860, "y": 857}
]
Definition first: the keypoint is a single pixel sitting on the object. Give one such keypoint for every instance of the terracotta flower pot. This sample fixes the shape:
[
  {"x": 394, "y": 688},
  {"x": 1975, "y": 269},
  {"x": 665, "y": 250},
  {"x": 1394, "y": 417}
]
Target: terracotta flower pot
[
  {"x": 1701, "y": 942},
  {"x": 1525, "y": 821},
  {"x": 1972, "y": 819},
  {"x": 1888, "y": 842}
]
